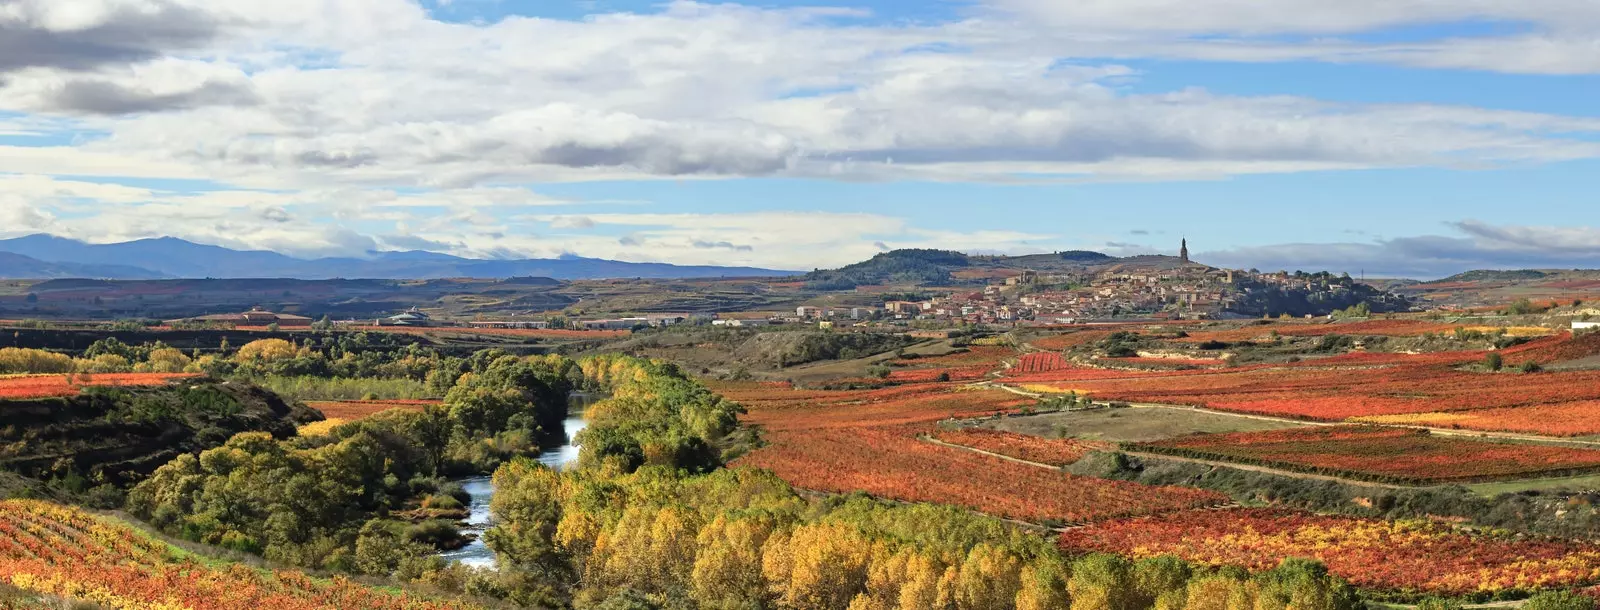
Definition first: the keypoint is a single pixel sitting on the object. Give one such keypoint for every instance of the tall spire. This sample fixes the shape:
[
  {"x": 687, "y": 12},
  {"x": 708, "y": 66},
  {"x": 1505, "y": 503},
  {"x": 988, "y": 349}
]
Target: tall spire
[{"x": 1183, "y": 253}]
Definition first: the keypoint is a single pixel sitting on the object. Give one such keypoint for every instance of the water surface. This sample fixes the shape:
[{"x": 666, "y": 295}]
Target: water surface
[{"x": 481, "y": 489}]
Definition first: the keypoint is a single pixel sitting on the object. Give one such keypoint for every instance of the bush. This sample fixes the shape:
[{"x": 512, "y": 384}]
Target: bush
[
  {"x": 1530, "y": 367},
  {"x": 441, "y": 502},
  {"x": 433, "y": 533},
  {"x": 1494, "y": 361},
  {"x": 1559, "y": 600}
]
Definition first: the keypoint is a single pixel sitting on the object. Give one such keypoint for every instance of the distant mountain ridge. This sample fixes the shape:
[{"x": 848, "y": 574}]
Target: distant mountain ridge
[
  {"x": 170, "y": 257},
  {"x": 14, "y": 265}
]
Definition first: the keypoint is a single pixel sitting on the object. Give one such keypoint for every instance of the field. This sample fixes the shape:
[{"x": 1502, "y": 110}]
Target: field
[
  {"x": 48, "y": 386},
  {"x": 1040, "y": 362},
  {"x": 351, "y": 410},
  {"x": 866, "y": 440},
  {"x": 1394, "y": 455},
  {"x": 1406, "y": 556},
  {"x": 1054, "y": 452},
  {"x": 1567, "y": 419},
  {"x": 1131, "y": 425},
  {"x": 66, "y": 552},
  {"x": 1365, "y": 385}
]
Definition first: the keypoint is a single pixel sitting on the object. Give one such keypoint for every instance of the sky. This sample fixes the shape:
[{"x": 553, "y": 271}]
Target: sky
[{"x": 1413, "y": 138}]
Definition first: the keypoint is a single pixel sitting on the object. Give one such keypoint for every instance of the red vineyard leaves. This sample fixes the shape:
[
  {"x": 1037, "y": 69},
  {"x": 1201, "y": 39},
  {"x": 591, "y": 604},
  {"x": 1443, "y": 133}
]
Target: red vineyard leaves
[
  {"x": 66, "y": 552},
  {"x": 1039, "y": 362},
  {"x": 1055, "y": 452},
  {"x": 866, "y": 440},
  {"x": 1399, "y": 455},
  {"x": 1406, "y": 555},
  {"x": 47, "y": 386}
]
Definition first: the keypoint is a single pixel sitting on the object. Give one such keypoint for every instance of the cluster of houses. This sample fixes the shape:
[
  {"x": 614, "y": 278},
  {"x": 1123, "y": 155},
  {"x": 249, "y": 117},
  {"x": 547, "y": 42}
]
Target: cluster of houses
[{"x": 1186, "y": 291}]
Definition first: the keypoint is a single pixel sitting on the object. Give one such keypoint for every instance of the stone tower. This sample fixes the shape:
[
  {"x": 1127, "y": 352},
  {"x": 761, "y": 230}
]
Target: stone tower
[{"x": 1183, "y": 253}]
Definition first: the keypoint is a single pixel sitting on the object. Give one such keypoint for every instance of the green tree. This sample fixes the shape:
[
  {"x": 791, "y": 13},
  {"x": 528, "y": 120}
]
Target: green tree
[{"x": 1494, "y": 361}]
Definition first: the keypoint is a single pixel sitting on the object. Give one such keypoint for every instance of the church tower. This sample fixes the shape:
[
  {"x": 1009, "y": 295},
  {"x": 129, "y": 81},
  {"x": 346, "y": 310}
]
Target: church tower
[{"x": 1183, "y": 252}]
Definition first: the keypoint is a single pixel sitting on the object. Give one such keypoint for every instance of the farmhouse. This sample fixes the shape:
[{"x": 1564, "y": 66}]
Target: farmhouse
[
  {"x": 255, "y": 317},
  {"x": 1579, "y": 325},
  {"x": 412, "y": 317}
]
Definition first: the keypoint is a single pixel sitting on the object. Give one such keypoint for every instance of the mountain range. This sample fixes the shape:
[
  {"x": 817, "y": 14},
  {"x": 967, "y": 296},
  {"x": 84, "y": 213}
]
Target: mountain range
[{"x": 46, "y": 256}]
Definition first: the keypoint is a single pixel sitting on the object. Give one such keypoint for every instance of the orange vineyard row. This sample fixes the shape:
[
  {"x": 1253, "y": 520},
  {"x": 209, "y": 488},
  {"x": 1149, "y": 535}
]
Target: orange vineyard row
[
  {"x": 47, "y": 386},
  {"x": 66, "y": 552}
]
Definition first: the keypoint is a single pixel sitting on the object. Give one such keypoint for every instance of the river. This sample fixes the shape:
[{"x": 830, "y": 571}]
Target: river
[{"x": 481, "y": 489}]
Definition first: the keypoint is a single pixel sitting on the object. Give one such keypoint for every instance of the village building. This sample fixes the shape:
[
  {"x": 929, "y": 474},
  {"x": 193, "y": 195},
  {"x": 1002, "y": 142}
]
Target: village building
[
  {"x": 412, "y": 317},
  {"x": 255, "y": 317}
]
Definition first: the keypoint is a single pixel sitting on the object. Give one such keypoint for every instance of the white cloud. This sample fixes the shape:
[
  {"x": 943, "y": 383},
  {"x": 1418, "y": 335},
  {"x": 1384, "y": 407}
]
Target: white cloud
[
  {"x": 335, "y": 123},
  {"x": 1294, "y": 16},
  {"x": 1476, "y": 245}
]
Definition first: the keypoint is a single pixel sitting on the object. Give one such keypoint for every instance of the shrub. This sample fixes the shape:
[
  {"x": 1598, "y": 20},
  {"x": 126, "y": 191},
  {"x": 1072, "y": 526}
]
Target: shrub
[
  {"x": 1558, "y": 600},
  {"x": 1494, "y": 361}
]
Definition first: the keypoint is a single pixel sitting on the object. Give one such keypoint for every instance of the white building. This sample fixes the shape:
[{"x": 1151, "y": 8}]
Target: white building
[{"x": 1577, "y": 325}]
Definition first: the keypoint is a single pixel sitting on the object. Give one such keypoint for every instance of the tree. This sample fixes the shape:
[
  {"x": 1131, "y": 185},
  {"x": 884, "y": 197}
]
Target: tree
[
  {"x": 1043, "y": 586},
  {"x": 1101, "y": 582},
  {"x": 168, "y": 360},
  {"x": 727, "y": 569},
  {"x": 1161, "y": 582},
  {"x": 1302, "y": 584},
  {"x": 990, "y": 579},
  {"x": 265, "y": 351},
  {"x": 1494, "y": 361},
  {"x": 527, "y": 506}
]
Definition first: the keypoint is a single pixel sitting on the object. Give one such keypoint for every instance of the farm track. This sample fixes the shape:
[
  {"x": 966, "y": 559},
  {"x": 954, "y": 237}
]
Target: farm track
[{"x": 929, "y": 439}]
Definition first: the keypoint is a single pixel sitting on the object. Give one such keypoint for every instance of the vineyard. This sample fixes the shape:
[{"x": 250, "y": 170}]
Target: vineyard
[
  {"x": 866, "y": 440},
  {"x": 1390, "y": 455},
  {"x": 52, "y": 386},
  {"x": 1161, "y": 362},
  {"x": 68, "y": 553},
  {"x": 1040, "y": 362},
  {"x": 1360, "y": 385},
  {"x": 1055, "y": 452},
  {"x": 1404, "y": 556},
  {"x": 1567, "y": 419}
]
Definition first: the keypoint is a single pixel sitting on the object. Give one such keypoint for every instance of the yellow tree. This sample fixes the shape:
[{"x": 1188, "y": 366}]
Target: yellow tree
[
  {"x": 1043, "y": 585},
  {"x": 265, "y": 350},
  {"x": 1101, "y": 582},
  {"x": 828, "y": 568},
  {"x": 989, "y": 579},
  {"x": 168, "y": 360},
  {"x": 728, "y": 565},
  {"x": 929, "y": 584},
  {"x": 1218, "y": 593}
]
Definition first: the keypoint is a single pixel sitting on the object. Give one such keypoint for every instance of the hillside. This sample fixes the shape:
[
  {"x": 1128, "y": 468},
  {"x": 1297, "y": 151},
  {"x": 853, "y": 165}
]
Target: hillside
[
  {"x": 916, "y": 267},
  {"x": 119, "y": 434}
]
